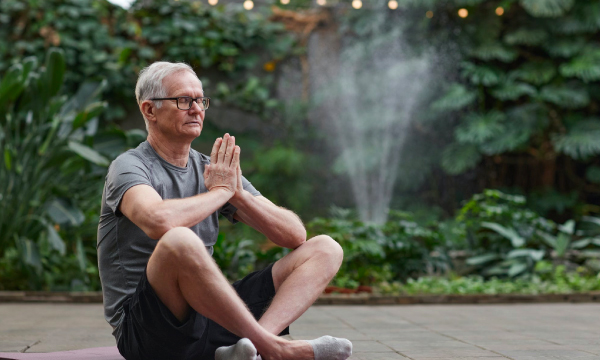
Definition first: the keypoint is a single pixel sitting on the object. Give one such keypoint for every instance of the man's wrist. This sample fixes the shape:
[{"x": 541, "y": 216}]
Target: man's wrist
[
  {"x": 222, "y": 190},
  {"x": 239, "y": 198}
]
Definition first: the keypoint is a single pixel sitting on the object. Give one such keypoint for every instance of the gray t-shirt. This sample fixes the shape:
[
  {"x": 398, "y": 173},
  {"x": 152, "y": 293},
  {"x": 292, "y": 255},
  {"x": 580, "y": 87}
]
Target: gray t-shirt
[{"x": 123, "y": 248}]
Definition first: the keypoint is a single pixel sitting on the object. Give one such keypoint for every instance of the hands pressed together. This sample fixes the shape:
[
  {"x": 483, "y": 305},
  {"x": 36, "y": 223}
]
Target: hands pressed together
[{"x": 224, "y": 170}]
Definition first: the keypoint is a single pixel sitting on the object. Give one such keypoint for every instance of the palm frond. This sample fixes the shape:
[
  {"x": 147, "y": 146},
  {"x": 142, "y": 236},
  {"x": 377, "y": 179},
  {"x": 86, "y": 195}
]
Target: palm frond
[
  {"x": 458, "y": 158},
  {"x": 535, "y": 72},
  {"x": 581, "y": 142},
  {"x": 510, "y": 90},
  {"x": 586, "y": 66},
  {"x": 524, "y": 36},
  {"x": 565, "y": 97},
  {"x": 494, "y": 51},
  {"x": 456, "y": 98},
  {"x": 481, "y": 74},
  {"x": 478, "y": 128},
  {"x": 547, "y": 8}
]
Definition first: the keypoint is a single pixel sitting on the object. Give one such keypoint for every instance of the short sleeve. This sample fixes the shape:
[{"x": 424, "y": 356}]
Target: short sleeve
[
  {"x": 124, "y": 172},
  {"x": 229, "y": 210}
]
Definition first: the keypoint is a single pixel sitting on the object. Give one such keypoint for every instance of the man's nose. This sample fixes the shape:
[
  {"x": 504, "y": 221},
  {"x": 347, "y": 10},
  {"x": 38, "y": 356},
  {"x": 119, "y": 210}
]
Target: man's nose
[{"x": 197, "y": 105}]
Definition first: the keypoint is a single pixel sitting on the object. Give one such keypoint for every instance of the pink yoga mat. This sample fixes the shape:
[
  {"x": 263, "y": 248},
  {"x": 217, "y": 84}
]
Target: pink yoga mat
[{"x": 99, "y": 353}]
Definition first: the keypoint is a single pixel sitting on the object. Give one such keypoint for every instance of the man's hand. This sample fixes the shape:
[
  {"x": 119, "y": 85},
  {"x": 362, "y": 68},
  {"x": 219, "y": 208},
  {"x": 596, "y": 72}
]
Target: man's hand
[{"x": 222, "y": 173}]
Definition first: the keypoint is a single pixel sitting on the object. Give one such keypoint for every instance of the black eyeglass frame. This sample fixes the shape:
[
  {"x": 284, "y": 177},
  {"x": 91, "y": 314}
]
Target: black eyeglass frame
[{"x": 191, "y": 101}]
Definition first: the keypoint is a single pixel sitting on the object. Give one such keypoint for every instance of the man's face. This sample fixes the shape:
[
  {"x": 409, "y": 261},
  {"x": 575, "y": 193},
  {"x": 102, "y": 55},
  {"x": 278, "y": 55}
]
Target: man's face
[{"x": 181, "y": 123}]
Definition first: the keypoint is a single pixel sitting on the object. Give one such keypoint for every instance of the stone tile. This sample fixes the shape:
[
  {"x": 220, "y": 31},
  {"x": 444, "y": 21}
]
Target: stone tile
[
  {"x": 377, "y": 356},
  {"x": 548, "y": 354},
  {"x": 369, "y": 346}
]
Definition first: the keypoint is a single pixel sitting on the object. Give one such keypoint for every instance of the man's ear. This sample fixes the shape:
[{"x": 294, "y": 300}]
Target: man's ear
[{"x": 148, "y": 109}]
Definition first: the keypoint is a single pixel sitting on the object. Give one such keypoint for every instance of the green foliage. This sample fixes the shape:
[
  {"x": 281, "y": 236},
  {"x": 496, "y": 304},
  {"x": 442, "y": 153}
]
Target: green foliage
[{"x": 51, "y": 178}]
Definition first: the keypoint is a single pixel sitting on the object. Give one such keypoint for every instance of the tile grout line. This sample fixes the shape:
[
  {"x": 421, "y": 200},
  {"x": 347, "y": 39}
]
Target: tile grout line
[{"x": 30, "y": 346}]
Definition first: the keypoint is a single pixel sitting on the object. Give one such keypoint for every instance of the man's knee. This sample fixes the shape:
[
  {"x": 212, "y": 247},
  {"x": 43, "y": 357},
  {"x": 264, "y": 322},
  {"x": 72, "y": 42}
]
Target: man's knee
[
  {"x": 181, "y": 243},
  {"x": 331, "y": 249}
]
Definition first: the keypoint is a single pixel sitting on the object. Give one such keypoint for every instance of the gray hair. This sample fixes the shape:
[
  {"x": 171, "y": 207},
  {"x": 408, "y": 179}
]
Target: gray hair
[{"x": 150, "y": 82}]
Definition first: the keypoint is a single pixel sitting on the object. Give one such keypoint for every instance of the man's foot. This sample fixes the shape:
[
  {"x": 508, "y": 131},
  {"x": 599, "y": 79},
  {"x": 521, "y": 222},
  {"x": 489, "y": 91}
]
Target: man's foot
[
  {"x": 331, "y": 348},
  {"x": 242, "y": 350}
]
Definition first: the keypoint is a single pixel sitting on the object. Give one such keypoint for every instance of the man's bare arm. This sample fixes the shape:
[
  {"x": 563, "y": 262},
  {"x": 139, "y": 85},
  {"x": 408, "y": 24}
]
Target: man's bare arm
[
  {"x": 155, "y": 216},
  {"x": 144, "y": 207},
  {"x": 280, "y": 225}
]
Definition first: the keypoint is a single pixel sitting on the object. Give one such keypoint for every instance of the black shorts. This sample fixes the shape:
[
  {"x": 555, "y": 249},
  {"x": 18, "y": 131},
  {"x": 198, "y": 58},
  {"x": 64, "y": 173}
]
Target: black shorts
[{"x": 150, "y": 331}]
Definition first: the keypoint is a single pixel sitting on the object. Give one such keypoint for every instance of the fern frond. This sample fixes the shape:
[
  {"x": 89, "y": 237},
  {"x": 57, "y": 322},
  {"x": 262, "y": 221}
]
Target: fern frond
[
  {"x": 513, "y": 90},
  {"x": 585, "y": 66},
  {"x": 537, "y": 73},
  {"x": 524, "y": 36},
  {"x": 565, "y": 47},
  {"x": 458, "y": 158},
  {"x": 520, "y": 124},
  {"x": 478, "y": 128},
  {"x": 565, "y": 97},
  {"x": 456, "y": 98},
  {"x": 481, "y": 75},
  {"x": 547, "y": 8},
  {"x": 581, "y": 141},
  {"x": 494, "y": 51},
  {"x": 593, "y": 174},
  {"x": 585, "y": 18}
]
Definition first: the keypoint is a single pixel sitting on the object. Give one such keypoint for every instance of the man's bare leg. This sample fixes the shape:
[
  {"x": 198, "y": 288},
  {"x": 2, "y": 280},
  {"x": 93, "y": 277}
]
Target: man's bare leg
[
  {"x": 299, "y": 278},
  {"x": 185, "y": 276}
]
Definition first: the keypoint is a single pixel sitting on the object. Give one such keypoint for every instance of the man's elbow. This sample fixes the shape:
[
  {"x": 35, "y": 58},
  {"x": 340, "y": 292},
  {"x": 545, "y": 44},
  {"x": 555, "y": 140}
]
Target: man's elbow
[
  {"x": 299, "y": 237},
  {"x": 157, "y": 225}
]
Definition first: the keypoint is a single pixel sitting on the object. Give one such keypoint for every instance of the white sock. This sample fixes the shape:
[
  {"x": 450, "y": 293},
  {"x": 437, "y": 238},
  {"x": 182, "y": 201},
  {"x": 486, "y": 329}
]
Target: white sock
[
  {"x": 242, "y": 350},
  {"x": 331, "y": 348}
]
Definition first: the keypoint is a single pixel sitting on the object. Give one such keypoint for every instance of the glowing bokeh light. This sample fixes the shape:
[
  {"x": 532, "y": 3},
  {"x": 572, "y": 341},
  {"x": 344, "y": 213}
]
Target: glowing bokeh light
[
  {"x": 429, "y": 14},
  {"x": 393, "y": 4},
  {"x": 213, "y": 2},
  {"x": 248, "y": 4},
  {"x": 463, "y": 13},
  {"x": 500, "y": 11},
  {"x": 357, "y": 4}
]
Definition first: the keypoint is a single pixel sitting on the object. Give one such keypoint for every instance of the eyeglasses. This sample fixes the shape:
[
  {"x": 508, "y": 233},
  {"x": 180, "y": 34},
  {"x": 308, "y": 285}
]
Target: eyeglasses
[{"x": 185, "y": 102}]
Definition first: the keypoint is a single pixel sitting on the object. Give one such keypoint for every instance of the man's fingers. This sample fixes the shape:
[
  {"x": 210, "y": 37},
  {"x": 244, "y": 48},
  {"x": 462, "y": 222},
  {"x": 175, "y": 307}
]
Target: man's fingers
[
  {"x": 222, "y": 149},
  {"x": 215, "y": 151},
  {"x": 235, "y": 162},
  {"x": 229, "y": 151}
]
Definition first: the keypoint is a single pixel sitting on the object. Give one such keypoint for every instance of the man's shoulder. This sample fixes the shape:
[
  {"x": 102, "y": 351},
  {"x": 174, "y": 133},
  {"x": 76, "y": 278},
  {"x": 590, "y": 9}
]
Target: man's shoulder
[
  {"x": 132, "y": 157},
  {"x": 199, "y": 157}
]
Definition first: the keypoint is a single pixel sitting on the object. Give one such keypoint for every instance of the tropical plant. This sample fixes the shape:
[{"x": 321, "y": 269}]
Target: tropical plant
[{"x": 50, "y": 177}]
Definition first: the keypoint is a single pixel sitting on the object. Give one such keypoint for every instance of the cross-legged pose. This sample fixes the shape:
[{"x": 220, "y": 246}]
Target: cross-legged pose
[{"x": 164, "y": 295}]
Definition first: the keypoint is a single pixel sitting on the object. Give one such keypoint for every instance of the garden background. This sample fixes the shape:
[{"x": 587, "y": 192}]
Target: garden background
[{"x": 449, "y": 146}]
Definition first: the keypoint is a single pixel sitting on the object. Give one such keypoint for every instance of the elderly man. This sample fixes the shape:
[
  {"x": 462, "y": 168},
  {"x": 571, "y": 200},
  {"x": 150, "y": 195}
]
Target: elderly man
[{"x": 164, "y": 295}]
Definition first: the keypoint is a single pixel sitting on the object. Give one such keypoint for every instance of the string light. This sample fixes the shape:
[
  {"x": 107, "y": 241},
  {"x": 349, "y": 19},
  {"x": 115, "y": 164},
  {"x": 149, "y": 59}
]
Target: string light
[
  {"x": 357, "y": 4},
  {"x": 322, "y": 2},
  {"x": 463, "y": 13},
  {"x": 285, "y": 2},
  {"x": 213, "y": 2},
  {"x": 429, "y": 14},
  {"x": 248, "y": 4},
  {"x": 393, "y": 4},
  {"x": 500, "y": 11}
]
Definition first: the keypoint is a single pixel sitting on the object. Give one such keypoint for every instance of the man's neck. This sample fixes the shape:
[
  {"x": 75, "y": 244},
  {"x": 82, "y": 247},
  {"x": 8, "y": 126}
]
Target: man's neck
[{"x": 176, "y": 153}]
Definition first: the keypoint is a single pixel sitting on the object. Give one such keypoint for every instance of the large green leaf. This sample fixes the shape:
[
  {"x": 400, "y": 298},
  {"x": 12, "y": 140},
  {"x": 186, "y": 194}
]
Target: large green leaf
[
  {"x": 11, "y": 83},
  {"x": 478, "y": 128},
  {"x": 55, "y": 70},
  {"x": 482, "y": 259},
  {"x": 55, "y": 240},
  {"x": 88, "y": 153},
  {"x": 509, "y": 233},
  {"x": 581, "y": 142},
  {"x": 456, "y": 98},
  {"x": 565, "y": 97},
  {"x": 585, "y": 18},
  {"x": 547, "y": 8},
  {"x": 29, "y": 252},
  {"x": 535, "y": 255},
  {"x": 517, "y": 268},
  {"x": 61, "y": 212},
  {"x": 585, "y": 66},
  {"x": 565, "y": 47},
  {"x": 458, "y": 158}
]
